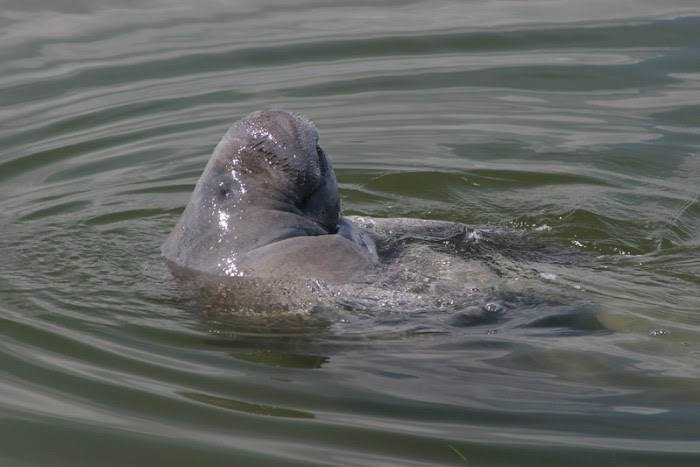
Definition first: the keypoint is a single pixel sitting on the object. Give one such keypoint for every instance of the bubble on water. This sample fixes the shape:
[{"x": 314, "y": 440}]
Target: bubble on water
[
  {"x": 658, "y": 332},
  {"x": 548, "y": 276}
]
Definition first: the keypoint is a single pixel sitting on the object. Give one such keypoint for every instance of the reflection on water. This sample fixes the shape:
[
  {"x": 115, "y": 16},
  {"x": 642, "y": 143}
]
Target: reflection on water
[{"x": 571, "y": 121}]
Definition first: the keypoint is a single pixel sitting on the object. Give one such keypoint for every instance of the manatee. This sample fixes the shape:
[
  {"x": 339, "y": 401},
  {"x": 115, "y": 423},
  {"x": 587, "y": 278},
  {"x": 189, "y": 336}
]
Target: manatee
[
  {"x": 267, "y": 206},
  {"x": 262, "y": 232}
]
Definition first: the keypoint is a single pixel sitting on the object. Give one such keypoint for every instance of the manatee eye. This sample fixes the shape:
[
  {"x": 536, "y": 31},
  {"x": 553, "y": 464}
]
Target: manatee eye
[
  {"x": 321, "y": 160},
  {"x": 223, "y": 191}
]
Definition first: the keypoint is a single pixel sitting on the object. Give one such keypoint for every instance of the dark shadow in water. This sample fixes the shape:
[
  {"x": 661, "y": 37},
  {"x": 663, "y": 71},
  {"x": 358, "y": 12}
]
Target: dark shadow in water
[{"x": 569, "y": 319}]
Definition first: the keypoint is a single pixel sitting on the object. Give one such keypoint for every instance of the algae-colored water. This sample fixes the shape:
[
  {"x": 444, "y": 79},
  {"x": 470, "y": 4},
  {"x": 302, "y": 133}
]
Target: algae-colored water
[{"x": 577, "y": 122}]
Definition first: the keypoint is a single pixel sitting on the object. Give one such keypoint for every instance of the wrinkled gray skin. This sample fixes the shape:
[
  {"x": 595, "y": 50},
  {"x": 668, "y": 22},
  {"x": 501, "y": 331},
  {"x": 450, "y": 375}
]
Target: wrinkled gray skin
[{"x": 267, "y": 206}]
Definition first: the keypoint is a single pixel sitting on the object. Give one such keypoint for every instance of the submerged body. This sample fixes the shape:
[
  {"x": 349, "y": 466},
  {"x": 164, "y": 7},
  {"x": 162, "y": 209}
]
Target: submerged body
[{"x": 267, "y": 206}]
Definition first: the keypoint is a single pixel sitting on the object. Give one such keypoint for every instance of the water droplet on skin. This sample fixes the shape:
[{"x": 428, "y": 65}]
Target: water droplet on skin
[
  {"x": 223, "y": 221},
  {"x": 492, "y": 307}
]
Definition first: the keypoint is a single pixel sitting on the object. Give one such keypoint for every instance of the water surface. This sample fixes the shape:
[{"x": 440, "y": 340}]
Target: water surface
[{"x": 577, "y": 122}]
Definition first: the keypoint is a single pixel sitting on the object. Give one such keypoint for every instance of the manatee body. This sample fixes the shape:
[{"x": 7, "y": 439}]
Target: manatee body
[
  {"x": 267, "y": 206},
  {"x": 265, "y": 212}
]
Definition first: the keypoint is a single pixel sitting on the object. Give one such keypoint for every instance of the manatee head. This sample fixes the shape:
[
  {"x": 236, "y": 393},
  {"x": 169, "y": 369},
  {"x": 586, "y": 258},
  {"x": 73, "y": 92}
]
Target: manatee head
[
  {"x": 267, "y": 181},
  {"x": 271, "y": 159}
]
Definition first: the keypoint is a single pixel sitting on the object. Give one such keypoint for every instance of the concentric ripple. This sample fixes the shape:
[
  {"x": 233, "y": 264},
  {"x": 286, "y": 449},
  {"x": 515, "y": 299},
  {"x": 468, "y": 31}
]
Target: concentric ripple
[{"x": 574, "y": 122}]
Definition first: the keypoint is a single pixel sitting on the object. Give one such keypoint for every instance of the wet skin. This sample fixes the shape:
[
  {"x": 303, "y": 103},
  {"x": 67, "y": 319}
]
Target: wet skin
[{"x": 267, "y": 206}]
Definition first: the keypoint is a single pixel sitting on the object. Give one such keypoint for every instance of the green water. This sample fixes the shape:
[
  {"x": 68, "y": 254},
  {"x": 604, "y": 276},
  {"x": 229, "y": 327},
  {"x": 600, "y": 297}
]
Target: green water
[{"x": 578, "y": 122}]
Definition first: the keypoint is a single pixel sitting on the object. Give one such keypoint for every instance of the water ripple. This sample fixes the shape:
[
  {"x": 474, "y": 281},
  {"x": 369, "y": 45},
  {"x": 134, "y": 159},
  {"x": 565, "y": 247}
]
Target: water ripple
[{"x": 572, "y": 121}]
